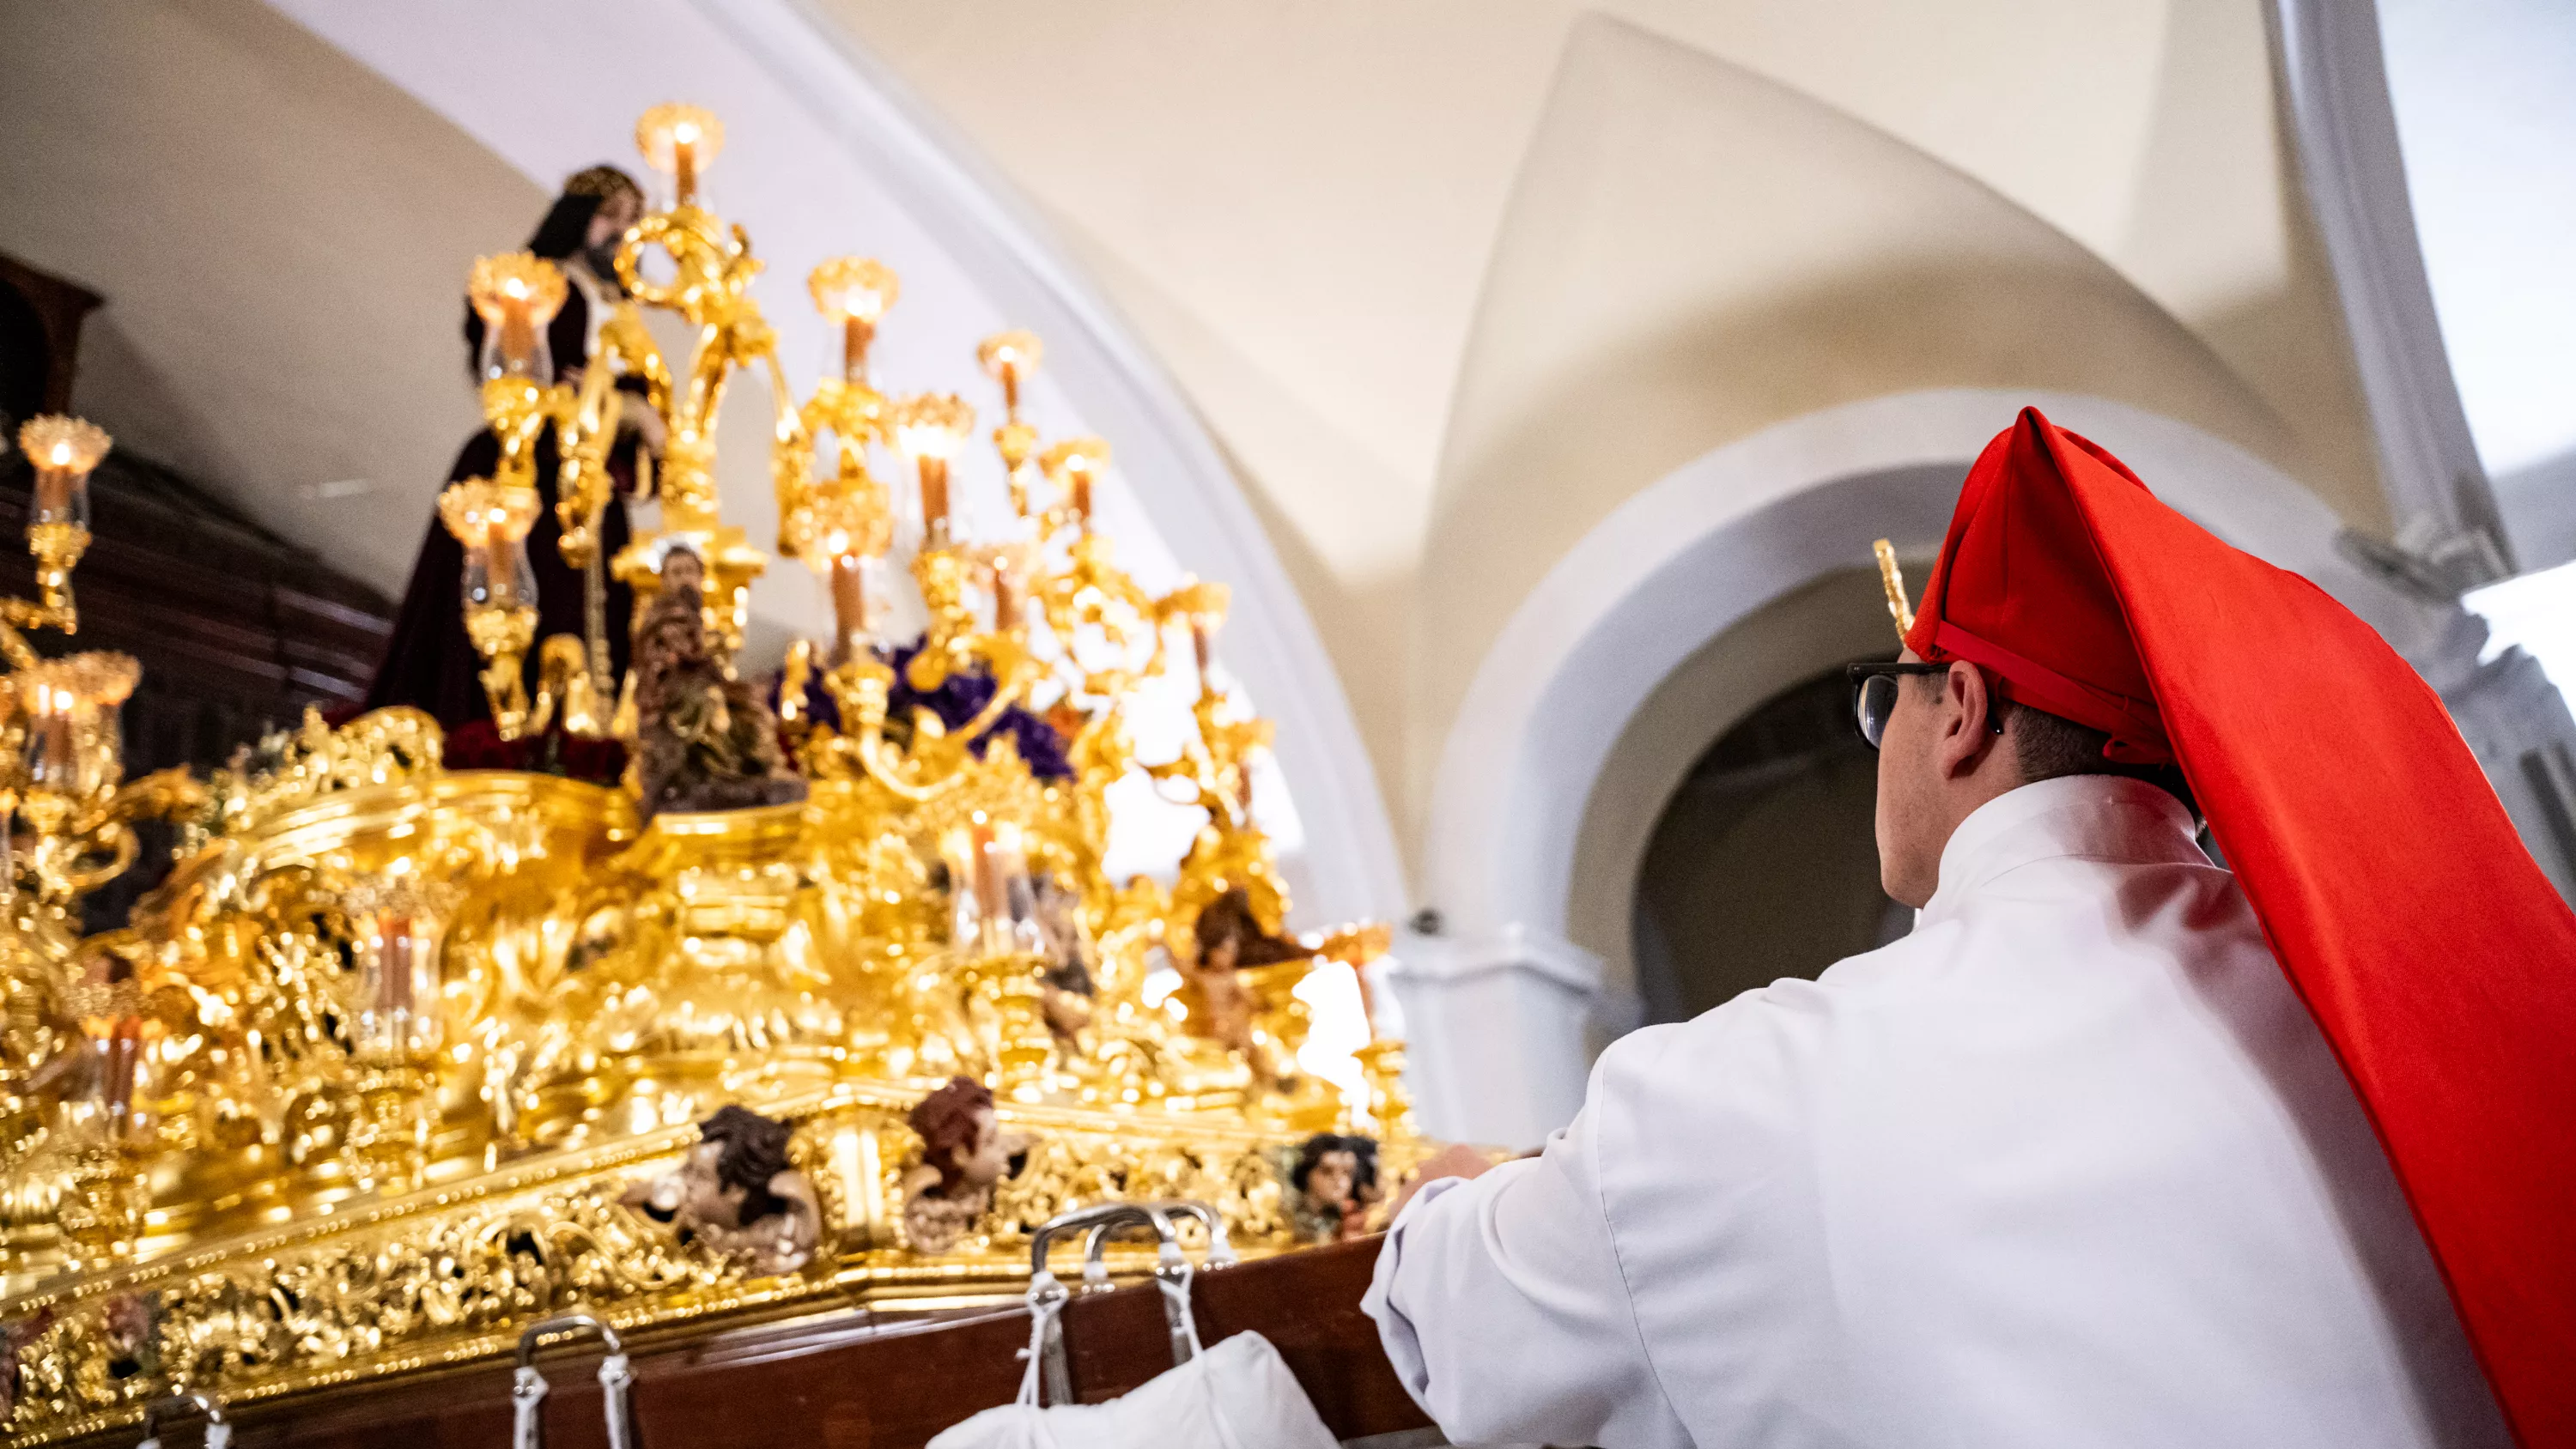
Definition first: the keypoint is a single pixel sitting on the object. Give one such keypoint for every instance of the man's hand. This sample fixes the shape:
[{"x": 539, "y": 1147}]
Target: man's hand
[{"x": 1457, "y": 1160}]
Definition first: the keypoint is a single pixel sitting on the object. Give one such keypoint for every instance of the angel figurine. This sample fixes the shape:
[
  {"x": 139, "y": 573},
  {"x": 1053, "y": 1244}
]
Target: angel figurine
[{"x": 964, "y": 1152}]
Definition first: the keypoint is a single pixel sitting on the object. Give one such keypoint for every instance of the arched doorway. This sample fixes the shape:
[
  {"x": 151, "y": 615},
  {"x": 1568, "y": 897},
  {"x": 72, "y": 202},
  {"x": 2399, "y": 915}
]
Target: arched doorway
[{"x": 1763, "y": 864}]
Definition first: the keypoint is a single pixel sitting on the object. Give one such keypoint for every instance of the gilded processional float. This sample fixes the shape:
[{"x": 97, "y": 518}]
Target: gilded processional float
[{"x": 829, "y": 1002}]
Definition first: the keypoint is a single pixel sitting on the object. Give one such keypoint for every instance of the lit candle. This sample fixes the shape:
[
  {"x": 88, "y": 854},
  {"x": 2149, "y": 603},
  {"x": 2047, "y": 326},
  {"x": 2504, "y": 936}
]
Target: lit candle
[
  {"x": 1009, "y": 357},
  {"x": 1072, "y": 465},
  {"x": 1204, "y": 605},
  {"x": 500, "y": 568},
  {"x": 491, "y": 521},
  {"x": 1012, "y": 564},
  {"x": 856, "y": 291},
  {"x": 516, "y": 295},
  {"x": 518, "y": 332},
  {"x": 934, "y": 497},
  {"x": 56, "y": 763},
  {"x": 930, "y": 427},
  {"x": 1006, "y": 599},
  {"x": 684, "y": 162},
  {"x": 682, "y": 140},
  {"x": 394, "y": 984},
  {"x": 849, "y": 581},
  {"x": 64, "y": 450},
  {"x": 988, "y": 874},
  {"x": 53, "y": 486},
  {"x": 856, "y": 333},
  {"x": 121, "y": 1057}
]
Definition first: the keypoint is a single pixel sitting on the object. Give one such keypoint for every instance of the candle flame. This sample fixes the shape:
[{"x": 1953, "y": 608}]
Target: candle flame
[{"x": 59, "y": 442}]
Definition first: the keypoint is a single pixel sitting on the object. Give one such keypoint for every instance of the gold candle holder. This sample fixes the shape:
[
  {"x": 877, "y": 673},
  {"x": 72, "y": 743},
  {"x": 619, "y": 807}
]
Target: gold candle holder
[
  {"x": 398, "y": 927},
  {"x": 929, "y": 428},
  {"x": 1073, "y": 466},
  {"x": 516, "y": 294},
  {"x": 680, "y": 141},
  {"x": 855, "y": 292},
  {"x": 1010, "y": 358},
  {"x": 104, "y": 1121},
  {"x": 1014, "y": 567},
  {"x": 64, "y": 451},
  {"x": 67, "y": 710},
  {"x": 1202, "y": 606},
  {"x": 852, "y": 528},
  {"x": 491, "y": 521}
]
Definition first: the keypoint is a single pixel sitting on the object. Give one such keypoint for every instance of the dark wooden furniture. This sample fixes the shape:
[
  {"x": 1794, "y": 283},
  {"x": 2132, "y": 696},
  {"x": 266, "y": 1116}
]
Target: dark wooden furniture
[
  {"x": 237, "y": 629},
  {"x": 40, "y": 322},
  {"x": 847, "y": 1383}
]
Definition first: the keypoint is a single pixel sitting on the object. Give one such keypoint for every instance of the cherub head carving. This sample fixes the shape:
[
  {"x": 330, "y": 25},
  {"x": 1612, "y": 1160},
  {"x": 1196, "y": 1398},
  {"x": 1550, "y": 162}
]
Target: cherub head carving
[{"x": 962, "y": 1138}]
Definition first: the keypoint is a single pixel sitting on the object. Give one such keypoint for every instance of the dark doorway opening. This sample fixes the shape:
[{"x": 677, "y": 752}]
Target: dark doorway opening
[{"x": 1763, "y": 864}]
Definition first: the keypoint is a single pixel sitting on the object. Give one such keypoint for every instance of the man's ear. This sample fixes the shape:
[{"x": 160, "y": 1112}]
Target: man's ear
[{"x": 1967, "y": 711}]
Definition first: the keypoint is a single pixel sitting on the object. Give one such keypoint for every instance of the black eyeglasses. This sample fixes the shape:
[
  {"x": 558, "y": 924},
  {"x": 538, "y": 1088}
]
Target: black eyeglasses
[{"x": 1874, "y": 696}]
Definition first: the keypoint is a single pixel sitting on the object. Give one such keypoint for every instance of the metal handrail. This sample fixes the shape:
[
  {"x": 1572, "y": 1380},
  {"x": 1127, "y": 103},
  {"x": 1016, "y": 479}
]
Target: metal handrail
[
  {"x": 528, "y": 1388},
  {"x": 1172, "y": 1272}
]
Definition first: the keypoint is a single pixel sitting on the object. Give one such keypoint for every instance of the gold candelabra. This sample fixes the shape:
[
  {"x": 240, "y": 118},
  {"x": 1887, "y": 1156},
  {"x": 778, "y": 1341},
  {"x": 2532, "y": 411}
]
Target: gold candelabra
[
  {"x": 82, "y": 1023},
  {"x": 441, "y": 1022}
]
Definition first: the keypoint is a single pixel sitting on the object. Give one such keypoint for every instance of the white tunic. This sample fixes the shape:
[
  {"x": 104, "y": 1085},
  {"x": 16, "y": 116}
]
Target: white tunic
[{"x": 2070, "y": 1165}]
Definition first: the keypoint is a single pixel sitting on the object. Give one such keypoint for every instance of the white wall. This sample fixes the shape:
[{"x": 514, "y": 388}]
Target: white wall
[{"x": 2485, "y": 95}]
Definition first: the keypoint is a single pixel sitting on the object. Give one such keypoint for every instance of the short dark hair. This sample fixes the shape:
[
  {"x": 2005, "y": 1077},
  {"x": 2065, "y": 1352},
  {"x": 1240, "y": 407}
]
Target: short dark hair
[
  {"x": 1310, "y": 1155},
  {"x": 755, "y": 1151},
  {"x": 945, "y": 1121},
  {"x": 2051, "y": 747}
]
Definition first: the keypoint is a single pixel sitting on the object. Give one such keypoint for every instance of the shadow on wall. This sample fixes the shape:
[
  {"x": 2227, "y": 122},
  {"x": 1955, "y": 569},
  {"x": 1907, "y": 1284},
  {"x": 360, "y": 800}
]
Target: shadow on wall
[{"x": 1763, "y": 863}]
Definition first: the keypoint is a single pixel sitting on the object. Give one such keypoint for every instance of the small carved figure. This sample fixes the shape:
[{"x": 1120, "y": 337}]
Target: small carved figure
[
  {"x": 964, "y": 1152},
  {"x": 1067, "y": 982},
  {"x": 1229, "y": 937},
  {"x": 705, "y": 740},
  {"x": 128, "y": 1329},
  {"x": 1335, "y": 1185},
  {"x": 14, "y": 1338},
  {"x": 735, "y": 1193}
]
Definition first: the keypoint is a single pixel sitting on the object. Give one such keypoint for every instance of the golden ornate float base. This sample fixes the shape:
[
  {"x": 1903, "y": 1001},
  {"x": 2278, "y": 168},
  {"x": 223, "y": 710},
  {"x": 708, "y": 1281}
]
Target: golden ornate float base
[{"x": 448, "y": 1276}]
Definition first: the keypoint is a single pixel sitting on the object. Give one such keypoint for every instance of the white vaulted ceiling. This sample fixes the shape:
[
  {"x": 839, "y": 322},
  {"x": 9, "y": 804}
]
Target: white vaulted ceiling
[{"x": 1343, "y": 223}]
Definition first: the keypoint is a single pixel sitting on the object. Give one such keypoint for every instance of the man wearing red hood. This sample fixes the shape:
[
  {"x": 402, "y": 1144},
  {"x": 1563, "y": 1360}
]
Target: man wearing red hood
[{"x": 2118, "y": 1147}]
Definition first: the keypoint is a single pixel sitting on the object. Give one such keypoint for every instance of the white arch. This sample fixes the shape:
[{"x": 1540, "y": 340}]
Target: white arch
[
  {"x": 1672, "y": 568},
  {"x": 829, "y": 154}
]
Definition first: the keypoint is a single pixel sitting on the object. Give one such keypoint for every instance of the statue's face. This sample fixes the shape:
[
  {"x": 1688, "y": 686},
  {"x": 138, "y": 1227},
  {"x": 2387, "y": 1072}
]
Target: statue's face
[
  {"x": 703, "y": 1194},
  {"x": 1333, "y": 1177},
  {"x": 683, "y": 571},
  {"x": 988, "y": 1159},
  {"x": 615, "y": 214}
]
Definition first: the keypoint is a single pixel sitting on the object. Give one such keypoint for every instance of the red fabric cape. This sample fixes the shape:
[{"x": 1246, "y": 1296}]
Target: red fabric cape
[{"x": 2428, "y": 945}]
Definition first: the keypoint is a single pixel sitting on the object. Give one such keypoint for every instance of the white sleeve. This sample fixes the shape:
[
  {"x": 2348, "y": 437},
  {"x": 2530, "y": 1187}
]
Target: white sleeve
[{"x": 1502, "y": 1304}]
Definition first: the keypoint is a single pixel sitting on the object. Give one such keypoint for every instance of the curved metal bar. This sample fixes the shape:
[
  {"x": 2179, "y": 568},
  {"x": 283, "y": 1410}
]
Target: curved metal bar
[
  {"x": 1082, "y": 1218},
  {"x": 1097, "y": 1223},
  {"x": 1095, "y": 1245},
  {"x": 1220, "y": 1252}
]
